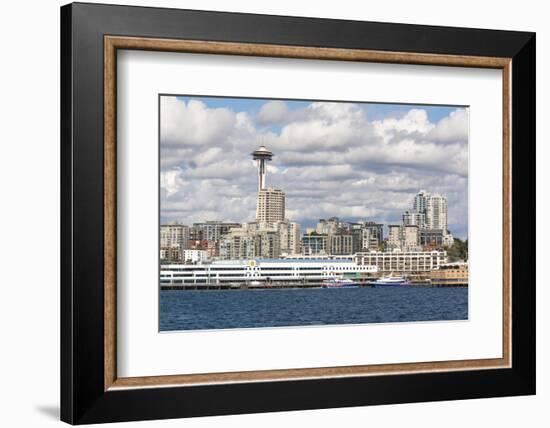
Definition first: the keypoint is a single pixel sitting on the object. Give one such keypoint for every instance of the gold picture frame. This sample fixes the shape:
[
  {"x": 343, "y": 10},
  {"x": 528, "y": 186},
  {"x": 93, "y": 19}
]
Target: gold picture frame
[{"x": 114, "y": 43}]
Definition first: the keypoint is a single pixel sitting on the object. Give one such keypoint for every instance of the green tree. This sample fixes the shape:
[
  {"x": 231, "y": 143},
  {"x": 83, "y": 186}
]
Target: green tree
[{"x": 458, "y": 251}]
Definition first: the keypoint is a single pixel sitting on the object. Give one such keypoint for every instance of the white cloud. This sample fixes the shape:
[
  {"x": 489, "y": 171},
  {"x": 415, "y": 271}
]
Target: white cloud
[
  {"x": 191, "y": 123},
  {"x": 414, "y": 122},
  {"x": 323, "y": 173},
  {"x": 322, "y": 126},
  {"x": 329, "y": 159},
  {"x": 273, "y": 112},
  {"x": 209, "y": 199},
  {"x": 452, "y": 128},
  {"x": 170, "y": 181}
]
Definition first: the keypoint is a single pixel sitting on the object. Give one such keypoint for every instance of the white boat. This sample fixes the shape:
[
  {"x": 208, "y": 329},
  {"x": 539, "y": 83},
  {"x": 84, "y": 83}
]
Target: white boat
[
  {"x": 340, "y": 283},
  {"x": 391, "y": 281}
]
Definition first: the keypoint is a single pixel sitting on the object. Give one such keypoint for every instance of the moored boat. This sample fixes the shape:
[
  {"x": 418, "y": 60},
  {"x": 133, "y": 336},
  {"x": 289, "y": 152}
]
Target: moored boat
[
  {"x": 394, "y": 281},
  {"x": 340, "y": 283}
]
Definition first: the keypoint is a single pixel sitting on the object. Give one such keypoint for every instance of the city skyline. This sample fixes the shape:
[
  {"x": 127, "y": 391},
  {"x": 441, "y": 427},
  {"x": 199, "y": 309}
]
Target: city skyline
[{"x": 348, "y": 160}]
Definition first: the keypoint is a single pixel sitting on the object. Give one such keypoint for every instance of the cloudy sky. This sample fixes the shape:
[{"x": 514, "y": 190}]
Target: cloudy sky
[{"x": 356, "y": 161}]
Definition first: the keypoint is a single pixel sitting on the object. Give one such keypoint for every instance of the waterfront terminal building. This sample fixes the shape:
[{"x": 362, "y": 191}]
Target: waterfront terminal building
[
  {"x": 308, "y": 271},
  {"x": 387, "y": 262},
  {"x": 450, "y": 275},
  {"x": 402, "y": 262},
  {"x": 302, "y": 270}
]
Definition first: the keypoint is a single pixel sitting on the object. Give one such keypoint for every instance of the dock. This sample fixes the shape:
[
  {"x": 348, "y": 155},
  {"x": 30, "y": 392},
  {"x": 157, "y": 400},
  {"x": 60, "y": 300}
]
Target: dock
[{"x": 262, "y": 285}]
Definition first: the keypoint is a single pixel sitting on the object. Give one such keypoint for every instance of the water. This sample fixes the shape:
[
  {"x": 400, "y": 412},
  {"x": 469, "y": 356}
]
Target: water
[{"x": 198, "y": 310}]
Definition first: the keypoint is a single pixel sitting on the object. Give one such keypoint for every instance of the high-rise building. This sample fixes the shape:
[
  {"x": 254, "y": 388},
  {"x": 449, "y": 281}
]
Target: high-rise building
[
  {"x": 394, "y": 236},
  {"x": 289, "y": 233},
  {"x": 171, "y": 254},
  {"x": 405, "y": 238},
  {"x": 342, "y": 243},
  {"x": 410, "y": 238},
  {"x": 371, "y": 234},
  {"x": 174, "y": 239},
  {"x": 271, "y": 206},
  {"x": 376, "y": 229},
  {"x": 414, "y": 219},
  {"x": 435, "y": 238},
  {"x": 210, "y": 231},
  {"x": 349, "y": 238},
  {"x": 315, "y": 244},
  {"x": 419, "y": 202},
  {"x": 268, "y": 244},
  {"x": 432, "y": 238},
  {"x": 356, "y": 231},
  {"x": 174, "y": 234},
  {"x": 429, "y": 211},
  {"x": 243, "y": 243},
  {"x": 330, "y": 226},
  {"x": 238, "y": 244},
  {"x": 289, "y": 236},
  {"x": 436, "y": 212},
  {"x": 369, "y": 241}
]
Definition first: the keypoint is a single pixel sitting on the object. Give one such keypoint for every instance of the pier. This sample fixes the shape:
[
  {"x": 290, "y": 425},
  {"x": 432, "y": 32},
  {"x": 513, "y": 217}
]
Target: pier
[
  {"x": 298, "y": 274},
  {"x": 262, "y": 285},
  {"x": 253, "y": 285}
]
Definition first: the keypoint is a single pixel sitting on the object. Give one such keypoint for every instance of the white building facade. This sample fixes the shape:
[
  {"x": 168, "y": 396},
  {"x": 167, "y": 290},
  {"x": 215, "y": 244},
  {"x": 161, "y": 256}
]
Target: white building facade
[
  {"x": 173, "y": 240},
  {"x": 310, "y": 270},
  {"x": 270, "y": 206},
  {"x": 403, "y": 237},
  {"x": 434, "y": 208},
  {"x": 194, "y": 256},
  {"x": 172, "y": 235},
  {"x": 436, "y": 212},
  {"x": 402, "y": 261}
]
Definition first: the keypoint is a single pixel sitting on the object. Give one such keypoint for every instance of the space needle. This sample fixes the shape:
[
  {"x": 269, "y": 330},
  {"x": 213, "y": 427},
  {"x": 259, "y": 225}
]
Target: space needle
[{"x": 262, "y": 154}]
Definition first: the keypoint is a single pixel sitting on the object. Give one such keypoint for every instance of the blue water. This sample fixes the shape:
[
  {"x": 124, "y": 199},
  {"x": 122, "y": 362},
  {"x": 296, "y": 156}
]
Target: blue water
[{"x": 198, "y": 310}]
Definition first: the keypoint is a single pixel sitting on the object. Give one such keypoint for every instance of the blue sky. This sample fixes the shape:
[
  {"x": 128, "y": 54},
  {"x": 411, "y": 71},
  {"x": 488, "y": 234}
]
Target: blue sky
[
  {"x": 357, "y": 161},
  {"x": 374, "y": 111}
]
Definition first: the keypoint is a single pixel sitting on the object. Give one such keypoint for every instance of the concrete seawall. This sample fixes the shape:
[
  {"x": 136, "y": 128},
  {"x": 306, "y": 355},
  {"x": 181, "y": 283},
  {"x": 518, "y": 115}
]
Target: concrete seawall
[{"x": 288, "y": 285}]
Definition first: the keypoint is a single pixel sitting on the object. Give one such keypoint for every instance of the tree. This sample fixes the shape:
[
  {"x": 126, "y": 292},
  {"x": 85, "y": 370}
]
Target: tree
[{"x": 458, "y": 251}]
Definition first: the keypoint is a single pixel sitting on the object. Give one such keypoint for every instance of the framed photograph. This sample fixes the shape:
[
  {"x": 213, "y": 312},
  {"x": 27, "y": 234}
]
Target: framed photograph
[{"x": 266, "y": 213}]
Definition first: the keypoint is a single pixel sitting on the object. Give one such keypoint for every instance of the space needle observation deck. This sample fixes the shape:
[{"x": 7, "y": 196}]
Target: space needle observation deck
[{"x": 262, "y": 154}]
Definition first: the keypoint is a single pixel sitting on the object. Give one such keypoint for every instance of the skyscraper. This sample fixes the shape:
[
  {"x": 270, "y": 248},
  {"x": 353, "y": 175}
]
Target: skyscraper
[
  {"x": 315, "y": 244},
  {"x": 429, "y": 214},
  {"x": 414, "y": 219},
  {"x": 173, "y": 240},
  {"x": 174, "y": 234},
  {"x": 331, "y": 226},
  {"x": 436, "y": 212},
  {"x": 270, "y": 207},
  {"x": 405, "y": 238},
  {"x": 419, "y": 203},
  {"x": 433, "y": 207},
  {"x": 289, "y": 233},
  {"x": 210, "y": 231}
]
